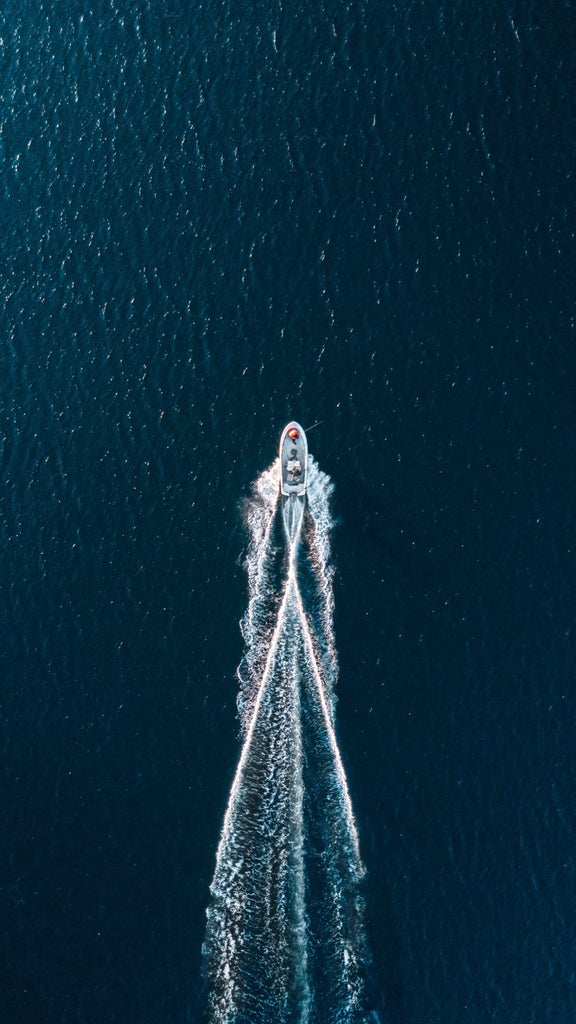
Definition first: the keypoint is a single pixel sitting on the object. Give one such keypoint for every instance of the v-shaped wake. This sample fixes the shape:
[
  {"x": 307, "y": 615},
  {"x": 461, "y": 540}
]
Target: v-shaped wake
[{"x": 285, "y": 939}]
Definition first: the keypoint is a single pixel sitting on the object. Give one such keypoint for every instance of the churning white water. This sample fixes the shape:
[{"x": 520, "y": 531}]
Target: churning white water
[{"x": 285, "y": 939}]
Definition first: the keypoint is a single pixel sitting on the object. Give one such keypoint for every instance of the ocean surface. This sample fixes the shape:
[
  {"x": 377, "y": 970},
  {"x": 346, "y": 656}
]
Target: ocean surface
[{"x": 216, "y": 219}]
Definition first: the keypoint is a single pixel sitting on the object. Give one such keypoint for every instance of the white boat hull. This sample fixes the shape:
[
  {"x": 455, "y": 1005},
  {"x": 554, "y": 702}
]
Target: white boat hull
[{"x": 293, "y": 460}]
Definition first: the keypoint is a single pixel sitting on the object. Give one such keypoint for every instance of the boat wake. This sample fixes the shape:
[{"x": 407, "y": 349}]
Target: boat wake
[{"x": 285, "y": 939}]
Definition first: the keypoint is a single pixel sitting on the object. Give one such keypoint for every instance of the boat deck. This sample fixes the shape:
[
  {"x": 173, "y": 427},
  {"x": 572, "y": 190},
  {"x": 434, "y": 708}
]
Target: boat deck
[{"x": 293, "y": 458}]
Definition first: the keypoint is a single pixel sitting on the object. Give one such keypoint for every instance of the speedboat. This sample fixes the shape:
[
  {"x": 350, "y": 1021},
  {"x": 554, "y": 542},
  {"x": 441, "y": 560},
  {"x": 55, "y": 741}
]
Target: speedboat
[{"x": 293, "y": 460}]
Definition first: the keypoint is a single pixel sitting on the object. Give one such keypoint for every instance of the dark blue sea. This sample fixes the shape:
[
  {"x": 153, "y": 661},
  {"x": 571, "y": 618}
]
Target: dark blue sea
[{"x": 216, "y": 219}]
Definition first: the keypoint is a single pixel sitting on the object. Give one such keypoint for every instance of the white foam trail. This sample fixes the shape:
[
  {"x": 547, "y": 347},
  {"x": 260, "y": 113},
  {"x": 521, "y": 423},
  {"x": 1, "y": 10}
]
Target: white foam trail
[
  {"x": 339, "y": 767},
  {"x": 320, "y": 488},
  {"x": 260, "y": 521},
  {"x": 261, "y": 510},
  {"x": 284, "y": 939},
  {"x": 289, "y": 589}
]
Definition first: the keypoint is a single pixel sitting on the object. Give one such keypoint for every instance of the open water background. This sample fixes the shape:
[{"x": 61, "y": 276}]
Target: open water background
[{"x": 215, "y": 219}]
